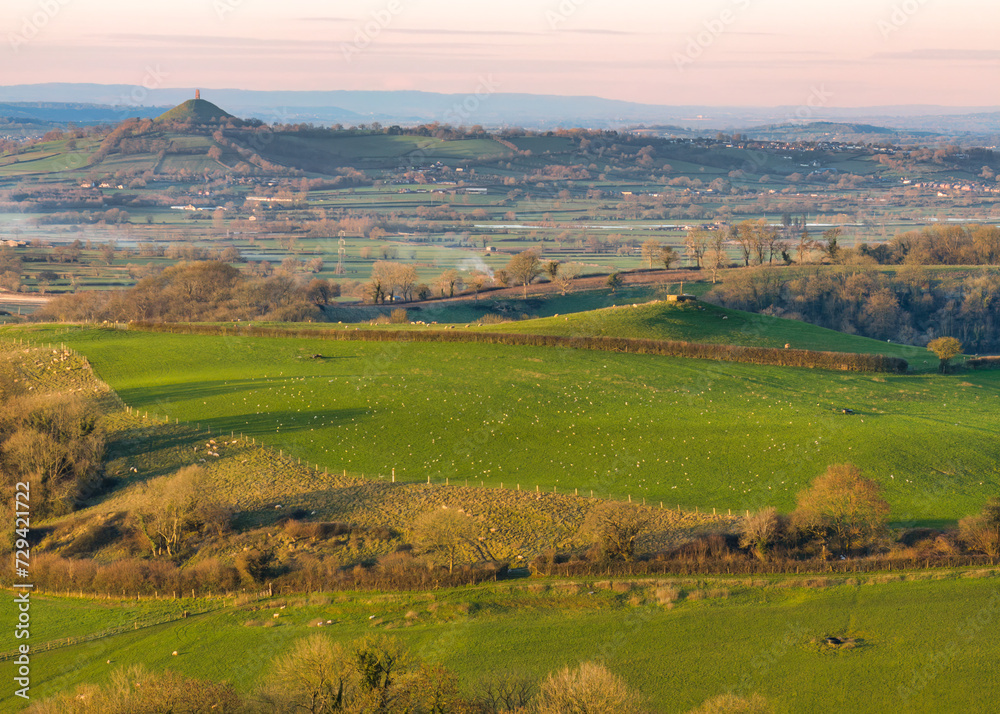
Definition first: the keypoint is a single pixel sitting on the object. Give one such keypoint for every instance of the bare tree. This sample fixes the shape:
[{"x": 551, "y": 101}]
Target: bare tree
[
  {"x": 177, "y": 508},
  {"x": 448, "y": 535},
  {"x": 568, "y": 272},
  {"x": 697, "y": 243},
  {"x": 504, "y": 693},
  {"x": 477, "y": 281},
  {"x": 651, "y": 251},
  {"x": 805, "y": 244},
  {"x": 668, "y": 256},
  {"x": 617, "y": 528},
  {"x": 448, "y": 282},
  {"x": 759, "y": 531},
  {"x": 717, "y": 257},
  {"x": 524, "y": 267},
  {"x": 843, "y": 506}
]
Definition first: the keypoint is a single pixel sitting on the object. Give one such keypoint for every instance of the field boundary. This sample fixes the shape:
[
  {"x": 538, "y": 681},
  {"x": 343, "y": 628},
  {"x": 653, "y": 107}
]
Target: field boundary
[
  {"x": 102, "y": 634},
  {"x": 770, "y": 356}
]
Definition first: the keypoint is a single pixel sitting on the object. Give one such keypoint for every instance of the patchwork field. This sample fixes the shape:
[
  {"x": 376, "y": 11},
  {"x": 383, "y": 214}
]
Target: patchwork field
[{"x": 697, "y": 434}]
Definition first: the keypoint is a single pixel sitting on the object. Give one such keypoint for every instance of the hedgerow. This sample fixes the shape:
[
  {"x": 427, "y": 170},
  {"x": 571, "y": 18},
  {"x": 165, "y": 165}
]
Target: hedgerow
[{"x": 841, "y": 361}]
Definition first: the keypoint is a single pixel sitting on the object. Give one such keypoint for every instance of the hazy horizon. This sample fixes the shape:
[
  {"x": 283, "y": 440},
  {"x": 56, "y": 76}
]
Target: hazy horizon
[{"x": 724, "y": 53}]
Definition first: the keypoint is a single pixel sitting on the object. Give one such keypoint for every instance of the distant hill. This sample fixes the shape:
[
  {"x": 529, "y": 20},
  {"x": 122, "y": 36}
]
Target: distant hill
[
  {"x": 829, "y": 127},
  {"x": 535, "y": 111},
  {"x": 845, "y": 132},
  {"x": 197, "y": 111},
  {"x": 77, "y": 113}
]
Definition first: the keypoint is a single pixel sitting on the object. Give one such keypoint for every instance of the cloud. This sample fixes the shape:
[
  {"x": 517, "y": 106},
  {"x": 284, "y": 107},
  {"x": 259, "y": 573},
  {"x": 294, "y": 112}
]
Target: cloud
[
  {"x": 943, "y": 55},
  {"x": 484, "y": 33},
  {"x": 595, "y": 31}
]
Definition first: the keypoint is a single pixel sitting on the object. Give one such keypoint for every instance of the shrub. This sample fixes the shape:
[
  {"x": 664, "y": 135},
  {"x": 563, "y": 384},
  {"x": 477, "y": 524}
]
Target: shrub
[
  {"x": 982, "y": 532},
  {"x": 759, "y": 532},
  {"x": 492, "y": 319},
  {"x": 137, "y": 690},
  {"x": 591, "y": 687}
]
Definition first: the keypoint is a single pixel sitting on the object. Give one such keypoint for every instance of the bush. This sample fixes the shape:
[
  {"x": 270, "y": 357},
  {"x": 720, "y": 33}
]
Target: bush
[
  {"x": 982, "y": 531},
  {"x": 759, "y": 532},
  {"x": 492, "y": 319},
  {"x": 591, "y": 687},
  {"x": 137, "y": 691},
  {"x": 254, "y": 565}
]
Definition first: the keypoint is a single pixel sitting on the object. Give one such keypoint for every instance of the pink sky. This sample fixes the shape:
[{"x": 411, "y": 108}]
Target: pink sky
[{"x": 722, "y": 52}]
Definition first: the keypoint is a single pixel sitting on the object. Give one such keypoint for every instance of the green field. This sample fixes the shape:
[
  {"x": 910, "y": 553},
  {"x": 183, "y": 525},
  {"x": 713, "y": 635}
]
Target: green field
[
  {"x": 694, "y": 433},
  {"x": 702, "y": 322},
  {"x": 720, "y": 635}
]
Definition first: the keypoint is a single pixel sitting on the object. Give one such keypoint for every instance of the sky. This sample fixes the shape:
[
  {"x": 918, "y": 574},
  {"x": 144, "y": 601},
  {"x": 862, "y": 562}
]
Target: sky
[{"x": 838, "y": 53}]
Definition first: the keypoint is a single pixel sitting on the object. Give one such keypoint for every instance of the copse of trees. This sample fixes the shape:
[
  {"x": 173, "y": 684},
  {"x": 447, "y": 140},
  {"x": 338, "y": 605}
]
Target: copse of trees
[
  {"x": 911, "y": 306},
  {"x": 523, "y": 268},
  {"x": 196, "y": 291},
  {"x": 939, "y": 245},
  {"x": 176, "y": 509},
  {"x": 390, "y": 278},
  {"x": 53, "y": 441}
]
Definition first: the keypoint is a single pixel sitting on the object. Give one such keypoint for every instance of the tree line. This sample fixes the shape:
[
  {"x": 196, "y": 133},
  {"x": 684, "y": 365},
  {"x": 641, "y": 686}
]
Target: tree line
[
  {"x": 200, "y": 291},
  {"x": 910, "y": 306}
]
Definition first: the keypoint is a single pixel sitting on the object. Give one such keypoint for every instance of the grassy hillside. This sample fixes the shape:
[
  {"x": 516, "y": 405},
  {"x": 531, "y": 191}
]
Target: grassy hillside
[
  {"x": 702, "y": 322},
  {"x": 195, "y": 110},
  {"x": 719, "y": 635},
  {"x": 254, "y": 479},
  {"x": 695, "y": 433}
]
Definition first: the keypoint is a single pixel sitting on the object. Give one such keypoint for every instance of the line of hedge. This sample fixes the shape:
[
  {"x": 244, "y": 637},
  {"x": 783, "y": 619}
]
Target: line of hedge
[
  {"x": 983, "y": 363},
  {"x": 842, "y": 361}
]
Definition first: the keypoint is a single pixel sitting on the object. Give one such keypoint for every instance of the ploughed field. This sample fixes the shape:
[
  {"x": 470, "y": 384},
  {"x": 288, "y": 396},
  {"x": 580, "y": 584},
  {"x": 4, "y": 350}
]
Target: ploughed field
[{"x": 695, "y": 433}]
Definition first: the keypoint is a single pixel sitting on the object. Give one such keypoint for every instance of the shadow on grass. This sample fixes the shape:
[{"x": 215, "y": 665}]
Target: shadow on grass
[
  {"x": 275, "y": 423},
  {"x": 162, "y": 397}
]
